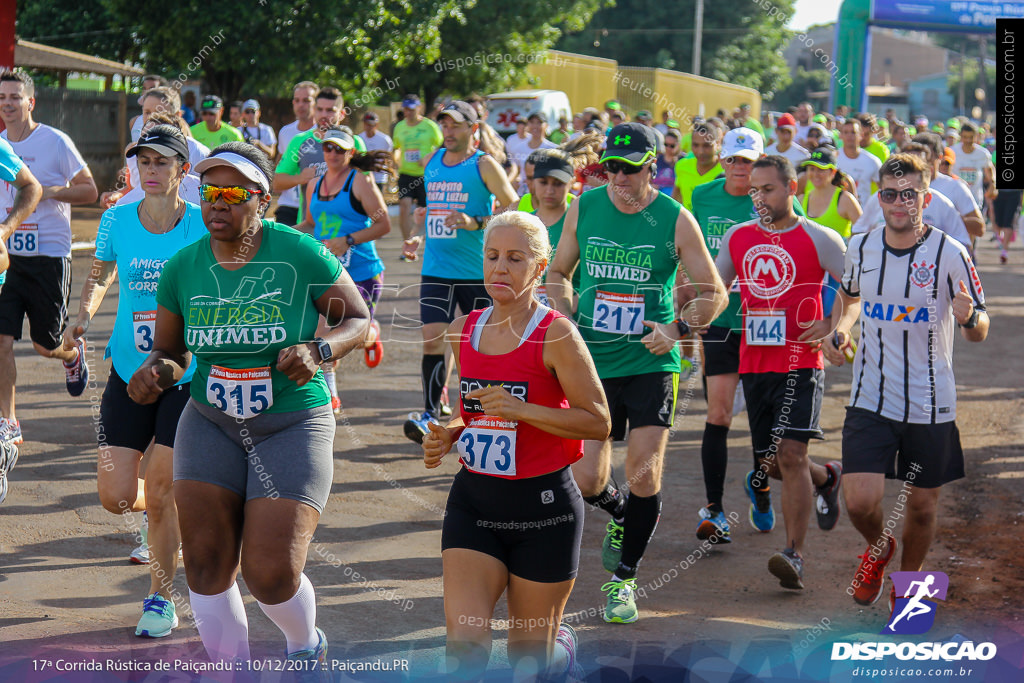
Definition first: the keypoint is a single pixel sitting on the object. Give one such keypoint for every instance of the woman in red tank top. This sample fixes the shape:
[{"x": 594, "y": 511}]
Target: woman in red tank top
[{"x": 529, "y": 394}]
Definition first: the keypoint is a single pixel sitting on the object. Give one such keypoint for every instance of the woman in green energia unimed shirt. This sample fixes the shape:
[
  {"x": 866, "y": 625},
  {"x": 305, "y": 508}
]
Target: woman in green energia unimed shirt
[{"x": 253, "y": 454}]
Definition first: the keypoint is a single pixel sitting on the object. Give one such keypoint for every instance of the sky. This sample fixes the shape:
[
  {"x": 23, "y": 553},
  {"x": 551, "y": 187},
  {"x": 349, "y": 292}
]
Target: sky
[{"x": 813, "y": 12}]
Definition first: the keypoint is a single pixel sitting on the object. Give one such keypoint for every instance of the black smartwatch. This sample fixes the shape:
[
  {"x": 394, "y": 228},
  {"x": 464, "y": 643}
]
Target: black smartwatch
[
  {"x": 324, "y": 349},
  {"x": 972, "y": 322},
  {"x": 350, "y": 240},
  {"x": 684, "y": 329},
  {"x": 481, "y": 221}
]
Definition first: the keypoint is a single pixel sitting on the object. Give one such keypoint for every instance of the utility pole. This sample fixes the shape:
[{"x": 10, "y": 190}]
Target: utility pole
[{"x": 698, "y": 30}]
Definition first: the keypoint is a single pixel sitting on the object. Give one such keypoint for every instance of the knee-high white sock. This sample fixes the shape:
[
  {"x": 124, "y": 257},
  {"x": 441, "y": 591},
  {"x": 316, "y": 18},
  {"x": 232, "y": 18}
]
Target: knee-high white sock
[
  {"x": 330, "y": 378},
  {"x": 296, "y": 617},
  {"x": 222, "y": 624}
]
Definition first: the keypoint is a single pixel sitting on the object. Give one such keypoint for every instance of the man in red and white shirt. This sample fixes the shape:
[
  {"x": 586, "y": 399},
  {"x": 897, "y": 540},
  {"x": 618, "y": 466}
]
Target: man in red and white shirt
[{"x": 780, "y": 260}]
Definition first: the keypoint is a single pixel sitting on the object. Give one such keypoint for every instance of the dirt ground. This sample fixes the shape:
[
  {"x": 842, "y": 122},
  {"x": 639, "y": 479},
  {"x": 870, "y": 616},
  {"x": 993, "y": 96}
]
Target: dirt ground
[{"x": 69, "y": 595}]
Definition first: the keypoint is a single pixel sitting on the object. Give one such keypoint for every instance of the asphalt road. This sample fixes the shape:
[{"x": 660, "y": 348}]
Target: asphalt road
[{"x": 69, "y": 595}]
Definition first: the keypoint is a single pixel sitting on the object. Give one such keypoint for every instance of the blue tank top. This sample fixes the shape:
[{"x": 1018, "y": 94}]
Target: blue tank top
[
  {"x": 455, "y": 254},
  {"x": 337, "y": 217}
]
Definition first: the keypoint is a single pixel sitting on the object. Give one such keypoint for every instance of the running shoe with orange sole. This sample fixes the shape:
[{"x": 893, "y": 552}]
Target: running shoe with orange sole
[
  {"x": 373, "y": 355},
  {"x": 867, "y": 582}
]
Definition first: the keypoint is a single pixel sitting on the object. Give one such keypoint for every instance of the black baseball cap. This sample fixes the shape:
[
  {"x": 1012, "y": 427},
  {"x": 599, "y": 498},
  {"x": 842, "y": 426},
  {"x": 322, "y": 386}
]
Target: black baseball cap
[
  {"x": 165, "y": 140},
  {"x": 631, "y": 142},
  {"x": 552, "y": 166},
  {"x": 821, "y": 157},
  {"x": 211, "y": 102},
  {"x": 460, "y": 111}
]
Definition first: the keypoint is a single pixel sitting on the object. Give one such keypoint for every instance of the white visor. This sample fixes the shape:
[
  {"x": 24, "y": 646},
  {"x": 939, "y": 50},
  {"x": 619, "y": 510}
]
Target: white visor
[{"x": 237, "y": 162}]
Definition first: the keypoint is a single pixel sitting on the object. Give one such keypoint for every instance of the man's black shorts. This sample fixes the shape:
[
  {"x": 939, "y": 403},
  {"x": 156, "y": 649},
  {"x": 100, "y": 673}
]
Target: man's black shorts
[
  {"x": 783, "y": 405},
  {"x": 721, "y": 351},
  {"x": 413, "y": 186},
  {"x": 641, "y": 401},
  {"x": 923, "y": 455},
  {"x": 39, "y": 287},
  {"x": 439, "y": 296}
]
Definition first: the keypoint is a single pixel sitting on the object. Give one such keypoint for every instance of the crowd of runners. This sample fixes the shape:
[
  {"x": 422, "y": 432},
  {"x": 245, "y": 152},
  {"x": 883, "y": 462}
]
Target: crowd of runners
[{"x": 592, "y": 267}]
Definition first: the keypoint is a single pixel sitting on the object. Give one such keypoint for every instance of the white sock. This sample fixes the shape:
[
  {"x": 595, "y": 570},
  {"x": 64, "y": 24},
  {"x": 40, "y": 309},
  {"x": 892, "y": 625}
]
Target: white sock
[
  {"x": 222, "y": 625},
  {"x": 296, "y": 617},
  {"x": 329, "y": 376}
]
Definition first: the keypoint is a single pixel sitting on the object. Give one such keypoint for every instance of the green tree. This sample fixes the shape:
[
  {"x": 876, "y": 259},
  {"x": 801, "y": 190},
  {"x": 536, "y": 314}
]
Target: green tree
[
  {"x": 488, "y": 48},
  {"x": 245, "y": 47},
  {"x": 741, "y": 42}
]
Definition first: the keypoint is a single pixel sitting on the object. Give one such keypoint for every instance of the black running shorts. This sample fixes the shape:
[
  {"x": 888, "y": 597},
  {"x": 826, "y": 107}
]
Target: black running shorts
[
  {"x": 414, "y": 187},
  {"x": 439, "y": 296},
  {"x": 39, "y": 287},
  {"x": 534, "y": 526},
  {"x": 783, "y": 405},
  {"x": 126, "y": 424},
  {"x": 721, "y": 351},
  {"x": 923, "y": 455},
  {"x": 641, "y": 401}
]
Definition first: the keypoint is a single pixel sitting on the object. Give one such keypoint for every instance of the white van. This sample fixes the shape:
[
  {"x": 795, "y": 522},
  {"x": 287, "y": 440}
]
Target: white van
[{"x": 508, "y": 107}]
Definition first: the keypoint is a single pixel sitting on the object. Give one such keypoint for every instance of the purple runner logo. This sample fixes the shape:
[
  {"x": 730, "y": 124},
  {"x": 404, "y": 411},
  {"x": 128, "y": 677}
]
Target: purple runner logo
[{"x": 913, "y": 611}]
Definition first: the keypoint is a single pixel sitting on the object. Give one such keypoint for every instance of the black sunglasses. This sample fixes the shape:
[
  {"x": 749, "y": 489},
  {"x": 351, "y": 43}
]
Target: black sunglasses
[
  {"x": 614, "y": 166},
  {"x": 906, "y": 195}
]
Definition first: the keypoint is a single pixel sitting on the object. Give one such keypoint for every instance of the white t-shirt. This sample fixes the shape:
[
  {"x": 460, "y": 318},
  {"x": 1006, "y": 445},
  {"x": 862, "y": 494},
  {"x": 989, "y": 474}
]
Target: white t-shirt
[
  {"x": 863, "y": 169},
  {"x": 904, "y": 365},
  {"x": 261, "y": 133},
  {"x": 54, "y": 160},
  {"x": 801, "y": 132},
  {"x": 940, "y": 212},
  {"x": 527, "y": 150},
  {"x": 795, "y": 153},
  {"x": 957, "y": 192},
  {"x": 289, "y": 197},
  {"x": 380, "y": 142},
  {"x": 518, "y": 149},
  {"x": 971, "y": 169}
]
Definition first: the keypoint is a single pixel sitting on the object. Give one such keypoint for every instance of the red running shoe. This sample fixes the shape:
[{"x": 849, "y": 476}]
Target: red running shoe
[{"x": 867, "y": 582}]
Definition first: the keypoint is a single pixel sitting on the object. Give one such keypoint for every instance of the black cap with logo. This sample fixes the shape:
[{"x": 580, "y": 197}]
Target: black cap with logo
[
  {"x": 165, "y": 140},
  {"x": 631, "y": 142}
]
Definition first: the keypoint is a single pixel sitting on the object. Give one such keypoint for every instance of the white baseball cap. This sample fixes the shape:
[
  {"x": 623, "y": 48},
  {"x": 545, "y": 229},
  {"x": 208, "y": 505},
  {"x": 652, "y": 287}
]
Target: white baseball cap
[{"x": 742, "y": 142}]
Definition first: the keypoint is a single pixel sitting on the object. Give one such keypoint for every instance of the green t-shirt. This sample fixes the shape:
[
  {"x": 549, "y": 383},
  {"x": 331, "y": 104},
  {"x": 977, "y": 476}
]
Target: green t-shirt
[
  {"x": 526, "y": 204},
  {"x": 213, "y": 139},
  {"x": 416, "y": 143},
  {"x": 558, "y": 137},
  {"x": 688, "y": 178},
  {"x": 237, "y": 321},
  {"x": 716, "y": 211},
  {"x": 755, "y": 125},
  {"x": 628, "y": 265},
  {"x": 879, "y": 149}
]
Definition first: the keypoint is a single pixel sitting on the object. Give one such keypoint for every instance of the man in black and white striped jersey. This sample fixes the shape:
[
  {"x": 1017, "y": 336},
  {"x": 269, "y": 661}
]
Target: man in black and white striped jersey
[{"x": 911, "y": 285}]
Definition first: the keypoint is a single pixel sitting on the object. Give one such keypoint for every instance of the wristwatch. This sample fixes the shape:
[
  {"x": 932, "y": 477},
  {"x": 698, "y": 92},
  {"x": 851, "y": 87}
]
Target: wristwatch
[
  {"x": 350, "y": 240},
  {"x": 972, "y": 322},
  {"x": 684, "y": 329},
  {"x": 324, "y": 349},
  {"x": 481, "y": 221}
]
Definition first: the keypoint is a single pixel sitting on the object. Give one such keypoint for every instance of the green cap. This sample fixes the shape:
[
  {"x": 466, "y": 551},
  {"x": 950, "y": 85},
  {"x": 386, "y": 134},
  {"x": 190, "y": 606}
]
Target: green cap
[
  {"x": 953, "y": 123},
  {"x": 820, "y": 118},
  {"x": 672, "y": 123},
  {"x": 612, "y": 104}
]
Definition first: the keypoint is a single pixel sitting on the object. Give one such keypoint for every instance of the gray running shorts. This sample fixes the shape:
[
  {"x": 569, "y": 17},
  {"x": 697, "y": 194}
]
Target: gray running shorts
[{"x": 275, "y": 455}]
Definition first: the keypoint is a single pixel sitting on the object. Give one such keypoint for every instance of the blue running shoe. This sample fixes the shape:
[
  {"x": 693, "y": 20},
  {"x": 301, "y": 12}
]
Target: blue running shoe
[
  {"x": 158, "y": 617},
  {"x": 713, "y": 524},
  {"x": 416, "y": 426},
  {"x": 762, "y": 517},
  {"x": 316, "y": 669},
  {"x": 76, "y": 375}
]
